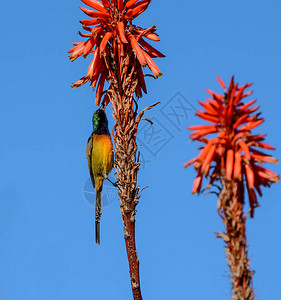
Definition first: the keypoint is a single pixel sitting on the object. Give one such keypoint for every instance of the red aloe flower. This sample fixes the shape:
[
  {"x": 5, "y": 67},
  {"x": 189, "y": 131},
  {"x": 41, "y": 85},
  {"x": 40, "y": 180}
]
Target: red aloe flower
[
  {"x": 113, "y": 28},
  {"x": 235, "y": 152},
  {"x": 233, "y": 155},
  {"x": 119, "y": 51}
]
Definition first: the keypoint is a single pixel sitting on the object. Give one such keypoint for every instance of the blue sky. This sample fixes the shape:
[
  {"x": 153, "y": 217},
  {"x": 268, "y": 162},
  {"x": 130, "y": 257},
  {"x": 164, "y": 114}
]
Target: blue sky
[{"x": 47, "y": 248}]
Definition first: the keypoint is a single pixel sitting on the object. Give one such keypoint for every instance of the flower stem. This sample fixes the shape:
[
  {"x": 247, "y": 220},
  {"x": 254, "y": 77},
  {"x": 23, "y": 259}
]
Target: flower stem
[
  {"x": 123, "y": 84},
  {"x": 127, "y": 170},
  {"x": 234, "y": 219},
  {"x": 129, "y": 229}
]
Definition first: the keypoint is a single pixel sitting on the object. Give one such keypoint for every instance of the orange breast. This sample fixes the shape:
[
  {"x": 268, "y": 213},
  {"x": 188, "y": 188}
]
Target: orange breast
[{"x": 102, "y": 155}]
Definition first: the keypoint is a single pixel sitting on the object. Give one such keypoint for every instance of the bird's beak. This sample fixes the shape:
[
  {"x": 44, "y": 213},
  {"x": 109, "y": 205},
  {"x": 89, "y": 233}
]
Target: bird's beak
[{"x": 102, "y": 107}]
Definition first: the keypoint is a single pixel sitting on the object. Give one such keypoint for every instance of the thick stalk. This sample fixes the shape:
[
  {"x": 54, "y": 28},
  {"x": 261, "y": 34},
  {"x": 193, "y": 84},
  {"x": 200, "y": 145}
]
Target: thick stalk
[
  {"x": 231, "y": 210},
  {"x": 123, "y": 82},
  {"x": 129, "y": 229},
  {"x": 127, "y": 169}
]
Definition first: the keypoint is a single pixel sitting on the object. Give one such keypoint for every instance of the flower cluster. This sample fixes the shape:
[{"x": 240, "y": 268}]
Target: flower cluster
[
  {"x": 232, "y": 151},
  {"x": 110, "y": 29}
]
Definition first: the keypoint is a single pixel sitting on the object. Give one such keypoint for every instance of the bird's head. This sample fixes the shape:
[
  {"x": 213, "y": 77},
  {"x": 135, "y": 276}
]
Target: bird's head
[{"x": 100, "y": 122}]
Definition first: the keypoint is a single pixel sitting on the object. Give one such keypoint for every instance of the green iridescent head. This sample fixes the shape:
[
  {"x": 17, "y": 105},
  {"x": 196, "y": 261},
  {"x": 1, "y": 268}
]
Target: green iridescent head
[{"x": 100, "y": 122}]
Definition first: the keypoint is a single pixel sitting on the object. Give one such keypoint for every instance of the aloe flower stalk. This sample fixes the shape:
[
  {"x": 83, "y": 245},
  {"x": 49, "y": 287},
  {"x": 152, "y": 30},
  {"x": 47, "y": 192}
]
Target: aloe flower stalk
[
  {"x": 119, "y": 51},
  {"x": 233, "y": 156}
]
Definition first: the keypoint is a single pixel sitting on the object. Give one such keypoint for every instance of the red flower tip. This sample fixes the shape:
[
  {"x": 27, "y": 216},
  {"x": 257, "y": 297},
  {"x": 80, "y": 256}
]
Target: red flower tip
[{"x": 221, "y": 82}]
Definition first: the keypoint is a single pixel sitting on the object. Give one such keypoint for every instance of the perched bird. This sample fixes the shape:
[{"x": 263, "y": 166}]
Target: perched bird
[{"x": 100, "y": 158}]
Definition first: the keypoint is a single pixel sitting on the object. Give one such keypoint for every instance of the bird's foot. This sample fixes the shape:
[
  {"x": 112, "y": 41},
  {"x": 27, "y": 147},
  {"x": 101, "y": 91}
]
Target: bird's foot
[{"x": 113, "y": 183}]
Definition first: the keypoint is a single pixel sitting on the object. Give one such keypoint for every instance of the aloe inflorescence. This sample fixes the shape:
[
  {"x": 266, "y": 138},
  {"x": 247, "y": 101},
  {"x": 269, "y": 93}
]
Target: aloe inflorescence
[{"x": 233, "y": 156}]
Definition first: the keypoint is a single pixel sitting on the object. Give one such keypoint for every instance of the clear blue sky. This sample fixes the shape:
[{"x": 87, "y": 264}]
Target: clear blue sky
[{"x": 47, "y": 248}]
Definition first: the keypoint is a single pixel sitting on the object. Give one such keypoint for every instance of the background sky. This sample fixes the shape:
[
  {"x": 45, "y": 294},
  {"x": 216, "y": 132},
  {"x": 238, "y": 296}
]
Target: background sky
[{"x": 47, "y": 248}]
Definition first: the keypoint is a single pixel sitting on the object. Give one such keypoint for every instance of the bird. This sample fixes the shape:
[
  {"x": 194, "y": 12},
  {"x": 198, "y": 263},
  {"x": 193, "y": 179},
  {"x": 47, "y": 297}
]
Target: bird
[{"x": 100, "y": 159}]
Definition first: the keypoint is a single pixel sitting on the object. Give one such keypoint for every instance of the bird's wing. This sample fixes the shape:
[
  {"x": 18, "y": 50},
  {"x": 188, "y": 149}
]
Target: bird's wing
[{"x": 89, "y": 158}]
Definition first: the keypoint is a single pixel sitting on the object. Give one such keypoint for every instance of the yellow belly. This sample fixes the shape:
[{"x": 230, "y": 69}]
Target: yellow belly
[{"x": 102, "y": 156}]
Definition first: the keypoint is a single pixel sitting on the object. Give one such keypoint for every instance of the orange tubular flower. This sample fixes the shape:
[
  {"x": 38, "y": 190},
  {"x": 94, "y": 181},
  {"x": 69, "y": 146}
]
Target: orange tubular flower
[
  {"x": 113, "y": 29},
  {"x": 235, "y": 153}
]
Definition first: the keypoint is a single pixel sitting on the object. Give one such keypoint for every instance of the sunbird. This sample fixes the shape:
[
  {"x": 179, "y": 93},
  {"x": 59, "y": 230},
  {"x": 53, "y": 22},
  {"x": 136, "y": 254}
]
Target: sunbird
[{"x": 100, "y": 157}]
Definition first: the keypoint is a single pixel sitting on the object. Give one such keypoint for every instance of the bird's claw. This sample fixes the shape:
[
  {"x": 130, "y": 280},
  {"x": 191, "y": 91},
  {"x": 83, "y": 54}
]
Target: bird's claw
[{"x": 113, "y": 183}]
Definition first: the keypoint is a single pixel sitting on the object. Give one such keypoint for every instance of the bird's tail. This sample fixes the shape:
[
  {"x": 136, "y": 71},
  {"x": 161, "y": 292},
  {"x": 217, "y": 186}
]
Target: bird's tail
[{"x": 98, "y": 209}]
